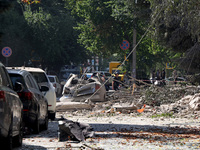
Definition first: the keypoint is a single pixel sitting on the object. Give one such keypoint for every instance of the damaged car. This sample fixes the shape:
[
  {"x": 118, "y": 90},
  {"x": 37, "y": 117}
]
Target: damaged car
[{"x": 81, "y": 89}]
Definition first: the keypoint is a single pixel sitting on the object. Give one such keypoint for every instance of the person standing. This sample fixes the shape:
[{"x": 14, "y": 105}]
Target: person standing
[
  {"x": 153, "y": 76},
  {"x": 115, "y": 82},
  {"x": 163, "y": 76},
  {"x": 174, "y": 75},
  {"x": 158, "y": 75}
]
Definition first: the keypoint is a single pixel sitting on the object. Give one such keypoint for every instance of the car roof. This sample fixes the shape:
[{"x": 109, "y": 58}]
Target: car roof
[
  {"x": 17, "y": 71},
  {"x": 32, "y": 69},
  {"x": 51, "y": 75}
]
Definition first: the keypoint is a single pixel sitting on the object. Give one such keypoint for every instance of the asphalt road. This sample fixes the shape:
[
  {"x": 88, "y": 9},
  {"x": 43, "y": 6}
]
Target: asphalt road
[{"x": 121, "y": 131}]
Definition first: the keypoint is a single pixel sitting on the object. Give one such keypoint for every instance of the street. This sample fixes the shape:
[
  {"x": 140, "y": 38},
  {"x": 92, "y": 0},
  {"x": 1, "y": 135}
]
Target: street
[{"x": 116, "y": 131}]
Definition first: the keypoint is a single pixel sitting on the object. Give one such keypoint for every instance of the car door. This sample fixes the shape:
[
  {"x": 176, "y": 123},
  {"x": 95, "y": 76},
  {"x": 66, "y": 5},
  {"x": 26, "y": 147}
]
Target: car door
[
  {"x": 40, "y": 96},
  {"x": 13, "y": 99}
]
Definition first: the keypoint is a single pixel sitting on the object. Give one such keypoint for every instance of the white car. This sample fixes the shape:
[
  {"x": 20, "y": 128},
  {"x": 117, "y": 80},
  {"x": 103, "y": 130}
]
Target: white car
[
  {"x": 54, "y": 80},
  {"x": 43, "y": 80}
]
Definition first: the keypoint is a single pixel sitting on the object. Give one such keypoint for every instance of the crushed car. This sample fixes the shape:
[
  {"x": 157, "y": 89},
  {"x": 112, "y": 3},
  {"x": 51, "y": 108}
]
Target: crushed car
[{"x": 82, "y": 89}]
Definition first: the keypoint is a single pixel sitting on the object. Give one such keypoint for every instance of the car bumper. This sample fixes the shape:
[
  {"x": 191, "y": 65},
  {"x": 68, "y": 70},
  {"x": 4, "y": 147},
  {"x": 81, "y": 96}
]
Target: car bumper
[{"x": 51, "y": 99}]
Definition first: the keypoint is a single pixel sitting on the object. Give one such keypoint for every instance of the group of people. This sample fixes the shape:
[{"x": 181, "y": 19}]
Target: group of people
[{"x": 159, "y": 76}]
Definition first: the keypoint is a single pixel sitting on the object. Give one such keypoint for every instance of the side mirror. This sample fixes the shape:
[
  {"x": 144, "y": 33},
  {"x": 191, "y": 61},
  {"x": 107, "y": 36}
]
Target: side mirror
[
  {"x": 44, "y": 88},
  {"x": 18, "y": 87}
]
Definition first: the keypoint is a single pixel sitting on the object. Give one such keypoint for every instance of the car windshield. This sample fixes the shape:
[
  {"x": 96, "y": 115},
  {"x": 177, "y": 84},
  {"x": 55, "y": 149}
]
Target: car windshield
[
  {"x": 39, "y": 76},
  {"x": 51, "y": 79}
]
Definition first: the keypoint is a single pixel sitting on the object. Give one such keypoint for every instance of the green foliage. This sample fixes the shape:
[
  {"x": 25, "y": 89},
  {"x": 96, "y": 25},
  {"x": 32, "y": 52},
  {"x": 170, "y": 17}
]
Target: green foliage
[
  {"x": 166, "y": 115},
  {"x": 15, "y": 34},
  {"x": 42, "y": 32},
  {"x": 100, "y": 32},
  {"x": 38, "y": 19},
  {"x": 55, "y": 32},
  {"x": 104, "y": 24},
  {"x": 177, "y": 28}
]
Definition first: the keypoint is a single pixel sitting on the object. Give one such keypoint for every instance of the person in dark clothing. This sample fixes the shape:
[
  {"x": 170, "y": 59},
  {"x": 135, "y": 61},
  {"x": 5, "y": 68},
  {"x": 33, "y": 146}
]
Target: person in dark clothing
[
  {"x": 115, "y": 83},
  {"x": 163, "y": 76},
  {"x": 153, "y": 76},
  {"x": 158, "y": 75}
]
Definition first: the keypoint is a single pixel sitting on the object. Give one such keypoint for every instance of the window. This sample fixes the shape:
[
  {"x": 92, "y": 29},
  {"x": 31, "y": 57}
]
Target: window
[
  {"x": 39, "y": 77},
  {"x": 33, "y": 82},
  {"x": 17, "y": 78},
  {"x": 28, "y": 82},
  {"x": 5, "y": 80},
  {"x": 1, "y": 80},
  {"x": 57, "y": 80},
  {"x": 51, "y": 79}
]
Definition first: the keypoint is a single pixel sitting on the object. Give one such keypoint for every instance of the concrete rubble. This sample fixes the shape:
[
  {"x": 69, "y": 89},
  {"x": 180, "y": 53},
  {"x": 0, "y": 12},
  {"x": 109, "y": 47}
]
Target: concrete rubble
[
  {"x": 71, "y": 130},
  {"x": 168, "y": 99},
  {"x": 188, "y": 103}
]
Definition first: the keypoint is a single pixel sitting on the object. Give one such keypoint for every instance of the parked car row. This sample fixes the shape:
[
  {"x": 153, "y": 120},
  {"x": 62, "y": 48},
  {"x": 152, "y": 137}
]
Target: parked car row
[
  {"x": 35, "y": 106},
  {"x": 43, "y": 80},
  {"x": 27, "y": 99}
]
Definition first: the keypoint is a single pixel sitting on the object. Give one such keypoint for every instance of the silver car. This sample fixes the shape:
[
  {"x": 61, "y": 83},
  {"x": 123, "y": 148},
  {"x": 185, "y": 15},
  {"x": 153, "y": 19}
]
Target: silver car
[{"x": 11, "y": 127}]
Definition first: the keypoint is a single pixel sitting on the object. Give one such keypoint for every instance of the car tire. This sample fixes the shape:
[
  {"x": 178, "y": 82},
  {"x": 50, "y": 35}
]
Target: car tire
[
  {"x": 9, "y": 140},
  {"x": 19, "y": 137},
  {"x": 36, "y": 126},
  {"x": 52, "y": 116},
  {"x": 45, "y": 125}
]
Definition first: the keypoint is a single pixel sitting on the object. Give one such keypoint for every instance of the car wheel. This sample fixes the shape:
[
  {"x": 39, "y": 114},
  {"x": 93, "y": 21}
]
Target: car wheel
[
  {"x": 46, "y": 122},
  {"x": 18, "y": 138},
  {"x": 9, "y": 140},
  {"x": 52, "y": 116},
  {"x": 36, "y": 127}
]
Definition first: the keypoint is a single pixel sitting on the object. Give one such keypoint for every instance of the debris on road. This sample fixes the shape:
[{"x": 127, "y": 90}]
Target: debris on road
[
  {"x": 63, "y": 106},
  {"x": 80, "y": 89},
  {"x": 70, "y": 130}
]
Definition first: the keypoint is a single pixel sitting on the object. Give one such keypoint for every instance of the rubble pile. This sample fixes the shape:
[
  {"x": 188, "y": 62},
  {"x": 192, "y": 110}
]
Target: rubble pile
[
  {"x": 156, "y": 96},
  {"x": 177, "y": 99},
  {"x": 187, "y": 105},
  {"x": 154, "y": 99}
]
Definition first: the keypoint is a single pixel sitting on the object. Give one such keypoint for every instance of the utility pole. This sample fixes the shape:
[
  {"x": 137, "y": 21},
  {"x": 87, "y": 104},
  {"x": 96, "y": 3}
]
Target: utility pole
[{"x": 134, "y": 54}]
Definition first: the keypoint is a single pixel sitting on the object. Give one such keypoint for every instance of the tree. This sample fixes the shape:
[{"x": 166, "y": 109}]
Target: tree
[
  {"x": 177, "y": 28},
  {"x": 4, "y": 5},
  {"x": 42, "y": 33},
  {"x": 15, "y": 34},
  {"x": 53, "y": 27},
  {"x": 106, "y": 23}
]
